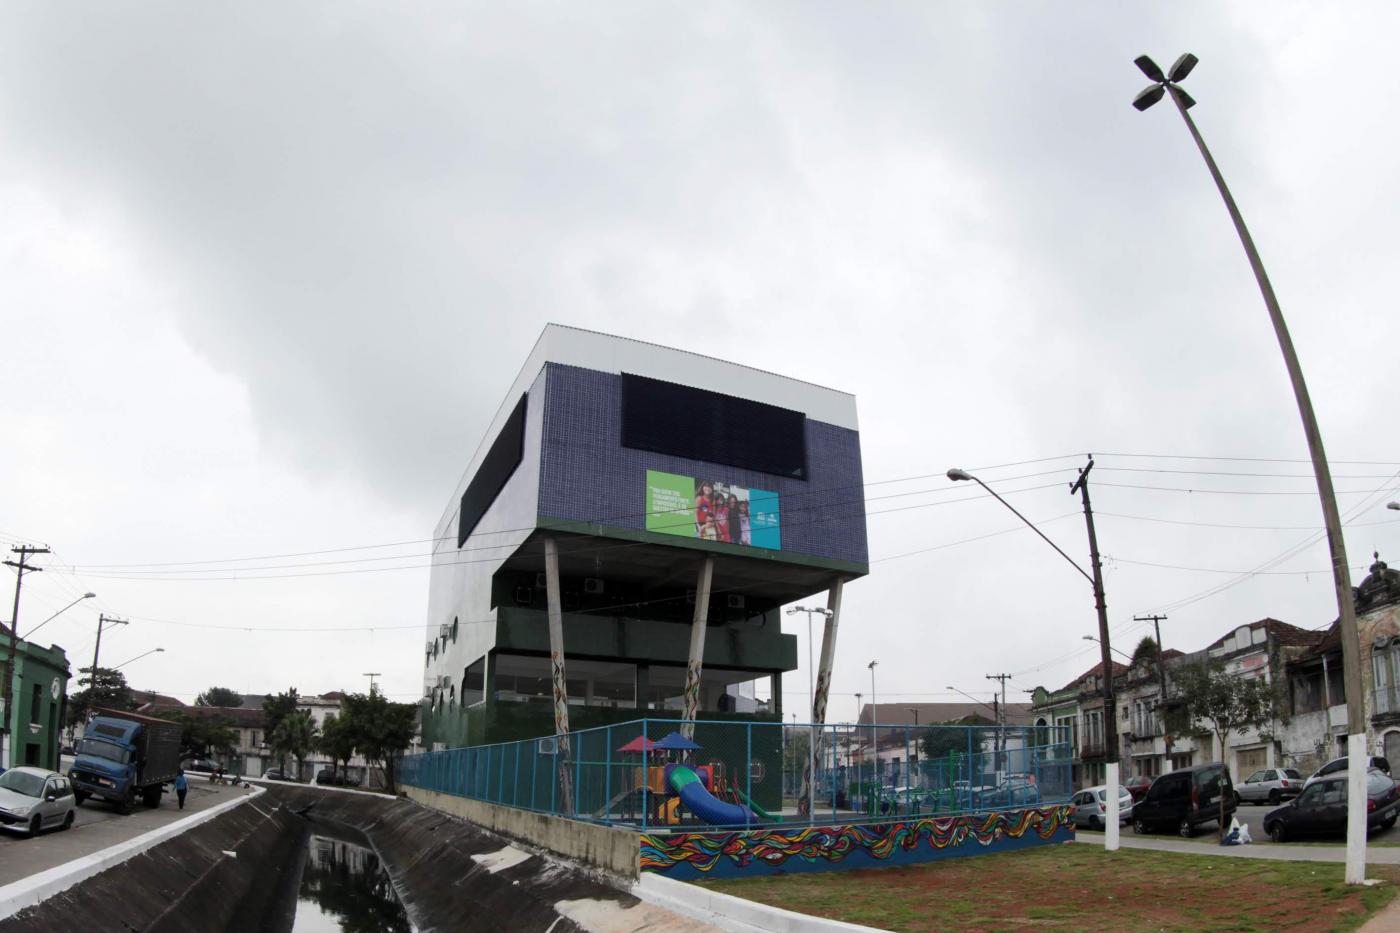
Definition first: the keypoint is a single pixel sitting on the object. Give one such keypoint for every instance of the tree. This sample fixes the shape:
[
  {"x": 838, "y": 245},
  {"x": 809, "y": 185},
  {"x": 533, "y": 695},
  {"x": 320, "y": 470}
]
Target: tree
[
  {"x": 1226, "y": 702},
  {"x": 295, "y": 735},
  {"x": 219, "y": 696},
  {"x": 110, "y": 692},
  {"x": 276, "y": 708},
  {"x": 204, "y": 736},
  {"x": 337, "y": 741},
  {"x": 940, "y": 741},
  {"x": 1146, "y": 651},
  {"x": 382, "y": 730}
]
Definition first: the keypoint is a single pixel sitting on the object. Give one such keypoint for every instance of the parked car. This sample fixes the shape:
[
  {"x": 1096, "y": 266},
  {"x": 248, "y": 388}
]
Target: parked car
[
  {"x": 277, "y": 774},
  {"x": 329, "y": 777},
  {"x": 1017, "y": 790},
  {"x": 1137, "y": 786},
  {"x": 1185, "y": 799},
  {"x": 1338, "y": 765},
  {"x": 33, "y": 798},
  {"x": 200, "y": 765},
  {"x": 1091, "y": 805},
  {"x": 1271, "y": 785},
  {"x": 1321, "y": 809}
]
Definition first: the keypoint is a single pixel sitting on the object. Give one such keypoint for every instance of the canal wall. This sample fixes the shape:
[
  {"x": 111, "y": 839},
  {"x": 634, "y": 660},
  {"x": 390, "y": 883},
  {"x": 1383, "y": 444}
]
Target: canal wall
[{"x": 224, "y": 874}]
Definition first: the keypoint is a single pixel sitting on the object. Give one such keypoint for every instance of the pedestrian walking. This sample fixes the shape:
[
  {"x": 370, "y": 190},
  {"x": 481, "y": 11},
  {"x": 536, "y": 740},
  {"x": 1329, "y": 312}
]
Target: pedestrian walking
[{"x": 182, "y": 787}]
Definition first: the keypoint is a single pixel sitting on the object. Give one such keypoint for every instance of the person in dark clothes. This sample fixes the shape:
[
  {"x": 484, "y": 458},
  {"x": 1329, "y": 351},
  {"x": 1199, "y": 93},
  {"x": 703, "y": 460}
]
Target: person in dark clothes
[{"x": 182, "y": 787}]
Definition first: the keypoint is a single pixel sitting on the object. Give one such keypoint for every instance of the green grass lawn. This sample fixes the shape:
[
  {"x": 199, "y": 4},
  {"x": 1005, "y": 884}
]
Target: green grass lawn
[{"x": 1078, "y": 887}]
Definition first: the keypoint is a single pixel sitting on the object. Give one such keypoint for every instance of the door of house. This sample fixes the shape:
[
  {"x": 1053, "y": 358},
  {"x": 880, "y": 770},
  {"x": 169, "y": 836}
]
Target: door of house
[
  {"x": 1392, "y": 748},
  {"x": 1249, "y": 760}
]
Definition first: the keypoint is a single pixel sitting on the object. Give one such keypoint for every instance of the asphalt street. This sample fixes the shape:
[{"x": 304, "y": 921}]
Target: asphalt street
[{"x": 99, "y": 825}]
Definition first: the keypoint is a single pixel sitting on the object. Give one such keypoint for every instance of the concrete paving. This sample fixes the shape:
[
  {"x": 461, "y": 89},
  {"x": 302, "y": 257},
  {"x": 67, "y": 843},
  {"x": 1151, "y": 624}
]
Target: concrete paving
[
  {"x": 1286, "y": 852},
  {"x": 98, "y": 826}
]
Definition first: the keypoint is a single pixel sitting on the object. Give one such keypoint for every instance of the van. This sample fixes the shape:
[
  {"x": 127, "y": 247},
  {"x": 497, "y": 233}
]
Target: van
[{"x": 1185, "y": 799}]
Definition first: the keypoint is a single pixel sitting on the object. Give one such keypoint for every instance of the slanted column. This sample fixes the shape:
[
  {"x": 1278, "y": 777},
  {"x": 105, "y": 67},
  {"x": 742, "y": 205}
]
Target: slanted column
[
  {"x": 806, "y": 800},
  {"x": 697, "y": 646},
  {"x": 556, "y": 663}
]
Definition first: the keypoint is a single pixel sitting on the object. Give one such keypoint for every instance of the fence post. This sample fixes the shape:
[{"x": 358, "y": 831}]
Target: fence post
[
  {"x": 748, "y": 776},
  {"x": 646, "y": 777},
  {"x": 501, "y": 775},
  {"x": 554, "y": 769},
  {"x": 607, "y": 778},
  {"x": 835, "y": 764},
  {"x": 578, "y": 769},
  {"x": 515, "y": 782},
  {"x": 968, "y": 804},
  {"x": 534, "y": 771}
]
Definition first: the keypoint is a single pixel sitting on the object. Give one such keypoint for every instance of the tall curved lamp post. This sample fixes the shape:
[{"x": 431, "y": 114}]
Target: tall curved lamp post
[
  {"x": 1170, "y": 84},
  {"x": 59, "y": 613},
  {"x": 137, "y": 658}
]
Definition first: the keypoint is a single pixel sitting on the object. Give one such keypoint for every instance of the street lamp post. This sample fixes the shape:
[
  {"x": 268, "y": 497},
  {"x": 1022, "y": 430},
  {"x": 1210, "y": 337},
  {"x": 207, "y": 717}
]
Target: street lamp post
[
  {"x": 874, "y": 720},
  {"x": 137, "y": 658},
  {"x": 1341, "y": 575},
  {"x": 59, "y": 613},
  {"x": 1111, "y": 828},
  {"x": 102, "y": 619}
]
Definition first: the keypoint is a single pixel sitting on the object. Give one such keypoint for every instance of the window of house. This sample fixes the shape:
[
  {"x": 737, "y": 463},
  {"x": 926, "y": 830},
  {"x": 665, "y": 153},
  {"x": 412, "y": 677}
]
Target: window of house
[{"x": 36, "y": 700}]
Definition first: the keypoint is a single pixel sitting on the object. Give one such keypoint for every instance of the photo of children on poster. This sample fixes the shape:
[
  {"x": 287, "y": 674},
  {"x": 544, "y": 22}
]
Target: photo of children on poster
[{"x": 714, "y": 510}]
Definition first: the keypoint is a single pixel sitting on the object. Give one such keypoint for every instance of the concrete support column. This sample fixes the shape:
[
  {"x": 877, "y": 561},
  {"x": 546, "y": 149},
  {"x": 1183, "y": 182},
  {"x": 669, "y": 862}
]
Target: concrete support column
[
  {"x": 697, "y": 646},
  {"x": 556, "y": 663},
  {"x": 820, "y": 694}
]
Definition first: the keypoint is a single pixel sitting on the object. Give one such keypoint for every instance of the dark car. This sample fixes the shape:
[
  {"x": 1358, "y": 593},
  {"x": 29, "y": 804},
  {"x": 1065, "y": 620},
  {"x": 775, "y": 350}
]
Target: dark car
[
  {"x": 331, "y": 779},
  {"x": 1321, "y": 809},
  {"x": 1185, "y": 799},
  {"x": 1137, "y": 786},
  {"x": 1339, "y": 766}
]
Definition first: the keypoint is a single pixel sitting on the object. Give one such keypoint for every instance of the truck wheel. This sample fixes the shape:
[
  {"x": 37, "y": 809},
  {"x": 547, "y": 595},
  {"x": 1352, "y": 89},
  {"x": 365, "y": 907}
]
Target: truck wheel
[
  {"x": 79, "y": 796},
  {"x": 127, "y": 803},
  {"x": 34, "y": 826},
  {"x": 151, "y": 796}
]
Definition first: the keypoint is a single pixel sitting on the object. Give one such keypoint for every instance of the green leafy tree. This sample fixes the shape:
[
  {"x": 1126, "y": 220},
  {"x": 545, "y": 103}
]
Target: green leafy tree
[
  {"x": 205, "y": 736},
  {"x": 382, "y": 730},
  {"x": 219, "y": 696},
  {"x": 1146, "y": 651},
  {"x": 276, "y": 708},
  {"x": 1225, "y": 703},
  {"x": 337, "y": 741},
  {"x": 939, "y": 741},
  {"x": 295, "y": 735},
  {"x": 110, "y": 692}
]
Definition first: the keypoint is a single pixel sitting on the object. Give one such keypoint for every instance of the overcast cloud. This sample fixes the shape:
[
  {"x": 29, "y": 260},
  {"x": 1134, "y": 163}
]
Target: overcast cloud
[{"x": 265, "y": 274}]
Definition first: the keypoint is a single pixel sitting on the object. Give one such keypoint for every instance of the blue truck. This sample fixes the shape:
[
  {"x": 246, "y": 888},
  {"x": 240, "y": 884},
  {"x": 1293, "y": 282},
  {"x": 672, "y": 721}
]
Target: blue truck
[{"x": 123, "y": 756}]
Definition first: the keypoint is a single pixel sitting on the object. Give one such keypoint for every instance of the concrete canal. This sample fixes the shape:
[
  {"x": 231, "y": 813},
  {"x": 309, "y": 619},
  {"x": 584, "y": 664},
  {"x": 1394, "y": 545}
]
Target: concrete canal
[{"x": 308, "y": 859}]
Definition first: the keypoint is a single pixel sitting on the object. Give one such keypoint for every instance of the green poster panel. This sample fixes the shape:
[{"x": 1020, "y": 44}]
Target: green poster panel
[{"x": 670, "y": 504}]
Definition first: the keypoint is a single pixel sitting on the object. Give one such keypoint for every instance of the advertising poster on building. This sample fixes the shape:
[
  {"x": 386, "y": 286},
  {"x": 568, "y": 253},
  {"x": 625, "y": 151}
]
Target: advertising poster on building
[{"x": 712, "y": 510}]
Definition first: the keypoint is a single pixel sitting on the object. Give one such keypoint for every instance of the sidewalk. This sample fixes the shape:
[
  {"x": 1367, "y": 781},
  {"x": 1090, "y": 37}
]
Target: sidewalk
[{"x": 1375, "y": 855}]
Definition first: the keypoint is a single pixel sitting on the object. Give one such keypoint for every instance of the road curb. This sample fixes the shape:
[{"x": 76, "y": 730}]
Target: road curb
[
  {"x": 30, "y": 891},
  {"x": 733, "y": 913}
]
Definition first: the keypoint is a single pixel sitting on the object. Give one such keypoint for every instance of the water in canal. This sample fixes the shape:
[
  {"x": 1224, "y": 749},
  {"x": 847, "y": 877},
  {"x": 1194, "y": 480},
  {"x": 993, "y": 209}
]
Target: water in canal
[{"x": 344, "y": 889}]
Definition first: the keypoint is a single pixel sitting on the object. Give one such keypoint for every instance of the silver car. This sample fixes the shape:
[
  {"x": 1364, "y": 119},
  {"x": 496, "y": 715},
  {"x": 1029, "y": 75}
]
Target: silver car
[
  {"x": 1091, "y": 804},
  {"x": 33, "y": 799},
  {"x": 1269, "y": 785}
]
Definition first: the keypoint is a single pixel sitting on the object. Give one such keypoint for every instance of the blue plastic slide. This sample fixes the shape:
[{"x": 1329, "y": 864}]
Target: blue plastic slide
[{"x": 702, "y": 803}]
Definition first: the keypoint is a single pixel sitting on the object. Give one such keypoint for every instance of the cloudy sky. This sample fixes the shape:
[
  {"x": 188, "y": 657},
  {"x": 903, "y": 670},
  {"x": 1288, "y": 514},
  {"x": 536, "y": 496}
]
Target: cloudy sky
[{"x": 265, "y": 274}]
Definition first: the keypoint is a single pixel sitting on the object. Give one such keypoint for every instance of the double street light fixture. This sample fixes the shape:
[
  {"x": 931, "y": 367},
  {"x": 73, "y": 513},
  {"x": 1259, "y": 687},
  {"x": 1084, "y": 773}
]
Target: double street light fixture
[{"x": 1163, "y": 84}]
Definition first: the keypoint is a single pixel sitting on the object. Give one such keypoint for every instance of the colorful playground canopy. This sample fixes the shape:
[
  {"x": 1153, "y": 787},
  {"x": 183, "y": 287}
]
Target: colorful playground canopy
[
  {"x": 677, "y": 742},
  {"x": 640, "y": 744}
]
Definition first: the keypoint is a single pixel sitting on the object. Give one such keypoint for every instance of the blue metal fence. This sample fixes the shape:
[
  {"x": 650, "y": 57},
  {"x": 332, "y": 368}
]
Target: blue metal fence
[{"x": 757, "y": 773}]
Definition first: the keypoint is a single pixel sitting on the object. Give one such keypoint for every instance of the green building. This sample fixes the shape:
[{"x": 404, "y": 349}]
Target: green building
[{"x": 39, "y": 695}]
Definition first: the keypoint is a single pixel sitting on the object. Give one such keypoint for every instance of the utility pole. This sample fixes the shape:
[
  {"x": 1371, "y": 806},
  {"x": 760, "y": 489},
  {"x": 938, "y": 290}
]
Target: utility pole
[
  {"x": 1156, "y": 621},
  {"x": 101, "y": 619},
  {"x": 1110, "y": 705},
  {"x": 371, "y": 675},
  {"x": 21, "y": 568},
  {"x": 1001, "y": 719}
]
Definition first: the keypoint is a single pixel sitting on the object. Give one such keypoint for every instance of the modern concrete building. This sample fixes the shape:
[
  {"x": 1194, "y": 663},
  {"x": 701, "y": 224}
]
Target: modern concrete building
[
  {"x": 40, "y": 695},
  {"x": 624, "y": 538}
]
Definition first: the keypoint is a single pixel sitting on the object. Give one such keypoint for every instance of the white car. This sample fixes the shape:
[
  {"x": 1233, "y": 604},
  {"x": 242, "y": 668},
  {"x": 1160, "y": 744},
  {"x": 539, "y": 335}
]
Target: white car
[
  {"x": 1091, "y": 805},
  {"x": 32, "y": 799}
]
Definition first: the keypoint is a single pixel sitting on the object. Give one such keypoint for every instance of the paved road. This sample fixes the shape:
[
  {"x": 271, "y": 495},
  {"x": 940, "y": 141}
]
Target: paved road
[
  {"x": 99, "y": 826},
  {"x": 1253, "y": 815}
]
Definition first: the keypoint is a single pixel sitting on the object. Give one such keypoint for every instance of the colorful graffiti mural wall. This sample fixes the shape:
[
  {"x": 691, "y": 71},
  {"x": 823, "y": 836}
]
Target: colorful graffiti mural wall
[{"x": 832, "y": 848}]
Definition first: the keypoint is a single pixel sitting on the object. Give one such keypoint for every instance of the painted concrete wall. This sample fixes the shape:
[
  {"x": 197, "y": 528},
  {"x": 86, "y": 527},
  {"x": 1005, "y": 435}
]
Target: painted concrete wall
[{"x": 605, "y": 847}]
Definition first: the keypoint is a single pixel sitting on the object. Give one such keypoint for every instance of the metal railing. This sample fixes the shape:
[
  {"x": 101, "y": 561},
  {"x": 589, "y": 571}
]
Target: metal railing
[{"x": 739, "y": 774}]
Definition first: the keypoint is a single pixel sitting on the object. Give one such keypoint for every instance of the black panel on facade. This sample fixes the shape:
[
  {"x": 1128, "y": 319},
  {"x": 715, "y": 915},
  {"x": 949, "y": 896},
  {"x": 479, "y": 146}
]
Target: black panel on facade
[
  {"x": 500, "y": 462},
  {"x": 697, "y": 424}
]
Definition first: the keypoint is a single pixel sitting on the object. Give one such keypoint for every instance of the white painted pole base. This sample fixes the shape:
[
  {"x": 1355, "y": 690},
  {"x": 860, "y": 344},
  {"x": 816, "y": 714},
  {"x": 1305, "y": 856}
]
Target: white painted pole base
[
  {"x": 1358, "y": 762},
  {"x": 1111, "y": 816}
]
